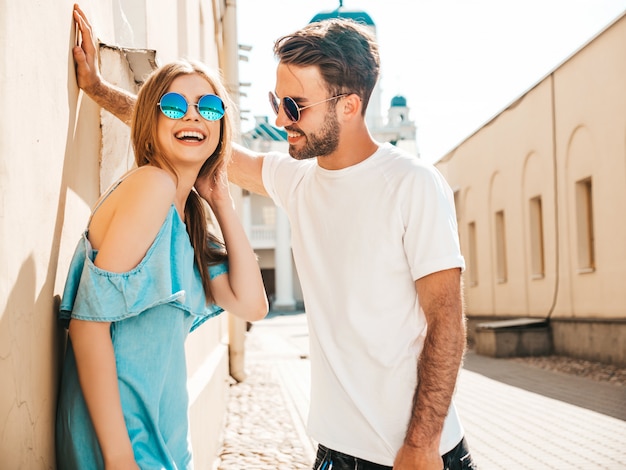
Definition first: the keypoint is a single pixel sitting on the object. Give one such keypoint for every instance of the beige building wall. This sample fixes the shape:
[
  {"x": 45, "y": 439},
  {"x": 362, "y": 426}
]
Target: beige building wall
[
  {"x": 541, "y": 193},
  {"x": 57, "y": 153}
]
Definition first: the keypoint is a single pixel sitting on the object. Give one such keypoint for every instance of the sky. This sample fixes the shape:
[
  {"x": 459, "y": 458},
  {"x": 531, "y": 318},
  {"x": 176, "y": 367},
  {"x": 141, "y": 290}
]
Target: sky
[{"x": 457, "y": 62}]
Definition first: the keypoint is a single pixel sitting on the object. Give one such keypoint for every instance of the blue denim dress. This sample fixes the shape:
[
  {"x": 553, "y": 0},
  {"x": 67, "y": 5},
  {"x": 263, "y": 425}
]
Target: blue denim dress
[{"x": 152, "y": 309}]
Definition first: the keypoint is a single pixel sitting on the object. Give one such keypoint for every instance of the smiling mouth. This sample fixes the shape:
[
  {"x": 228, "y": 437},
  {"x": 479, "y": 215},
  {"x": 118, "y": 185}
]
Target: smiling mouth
[
  {"x": 293, "y": 134},
  {"x": 190, "y": 136}
]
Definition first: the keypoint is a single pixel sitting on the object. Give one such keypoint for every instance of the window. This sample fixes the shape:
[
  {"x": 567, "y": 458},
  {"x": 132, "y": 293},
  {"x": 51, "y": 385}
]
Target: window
[
  {"x": 473, "y": 258},
  {"x": 536, "y": 239},
  {"x": 457, "y": 204},
  {"x": 501, "y": 273},
  {"x": 584, "y": 226}
]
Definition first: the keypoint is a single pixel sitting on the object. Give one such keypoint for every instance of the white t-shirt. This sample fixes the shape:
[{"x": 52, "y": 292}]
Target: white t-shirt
[{"x": 361, "y": 236}]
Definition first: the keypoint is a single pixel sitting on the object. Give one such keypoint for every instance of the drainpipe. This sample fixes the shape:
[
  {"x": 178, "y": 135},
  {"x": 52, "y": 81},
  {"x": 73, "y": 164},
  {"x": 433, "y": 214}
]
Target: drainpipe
[
  {"x": 557, "y": 249},
  {"x": 230, "y": 70}
]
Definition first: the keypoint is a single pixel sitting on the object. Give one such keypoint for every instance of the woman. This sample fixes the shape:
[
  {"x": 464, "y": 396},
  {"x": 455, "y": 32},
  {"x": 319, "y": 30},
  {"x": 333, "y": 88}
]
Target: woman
[{"x": 147, "y": 272}]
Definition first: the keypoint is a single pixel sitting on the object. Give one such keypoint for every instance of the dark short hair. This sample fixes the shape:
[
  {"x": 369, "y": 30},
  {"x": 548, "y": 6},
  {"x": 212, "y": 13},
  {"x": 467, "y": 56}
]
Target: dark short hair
[{"x": 345, "y": 52}]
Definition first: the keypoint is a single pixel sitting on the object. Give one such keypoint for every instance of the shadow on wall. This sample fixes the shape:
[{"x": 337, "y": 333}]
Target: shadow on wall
[
  {"x": 31, "y": 341},
  {"x": 30, "y": 349}
]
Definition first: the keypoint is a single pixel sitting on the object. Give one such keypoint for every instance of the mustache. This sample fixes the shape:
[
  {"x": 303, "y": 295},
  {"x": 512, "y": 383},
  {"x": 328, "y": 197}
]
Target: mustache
[{"x": 294, "y": 129}]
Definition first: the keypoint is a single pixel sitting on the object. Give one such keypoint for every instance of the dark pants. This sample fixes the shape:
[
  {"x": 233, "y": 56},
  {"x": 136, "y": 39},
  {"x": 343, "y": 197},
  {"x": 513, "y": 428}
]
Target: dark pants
[{"x": 458, "y": 458}]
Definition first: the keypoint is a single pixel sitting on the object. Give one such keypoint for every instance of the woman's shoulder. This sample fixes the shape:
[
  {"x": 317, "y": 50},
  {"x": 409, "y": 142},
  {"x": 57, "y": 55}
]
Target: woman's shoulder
[
  {"x": 147, "y": 187},
  {"x": 127, "y": 222},
  {"x": 151, "y": 178}
]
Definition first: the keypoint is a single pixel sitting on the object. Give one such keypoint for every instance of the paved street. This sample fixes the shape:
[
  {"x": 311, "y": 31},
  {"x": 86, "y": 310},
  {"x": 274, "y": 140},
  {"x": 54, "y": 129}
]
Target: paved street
[{"x": 515, "y": 416}]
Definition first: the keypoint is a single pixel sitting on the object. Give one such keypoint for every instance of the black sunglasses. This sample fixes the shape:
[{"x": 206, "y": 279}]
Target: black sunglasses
[{"x": 291, "y": 108}]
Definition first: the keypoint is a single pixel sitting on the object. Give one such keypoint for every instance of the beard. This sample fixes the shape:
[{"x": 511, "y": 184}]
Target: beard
[{"x": 321, "y": 143}]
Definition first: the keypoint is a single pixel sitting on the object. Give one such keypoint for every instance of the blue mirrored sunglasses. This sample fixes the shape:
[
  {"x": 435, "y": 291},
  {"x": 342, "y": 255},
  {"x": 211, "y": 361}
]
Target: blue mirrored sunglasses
[{"x": 175, "y": 106}]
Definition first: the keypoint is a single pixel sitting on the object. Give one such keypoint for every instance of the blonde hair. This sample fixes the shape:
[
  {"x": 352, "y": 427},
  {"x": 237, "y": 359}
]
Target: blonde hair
[{"x": 208, "y": 249}]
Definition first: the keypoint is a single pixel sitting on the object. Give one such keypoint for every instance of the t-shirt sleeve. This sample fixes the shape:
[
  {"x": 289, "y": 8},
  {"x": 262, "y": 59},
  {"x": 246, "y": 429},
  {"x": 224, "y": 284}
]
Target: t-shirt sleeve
[
  {"x": 281, "y": 174},
  {"x": 431, "y": 239}
]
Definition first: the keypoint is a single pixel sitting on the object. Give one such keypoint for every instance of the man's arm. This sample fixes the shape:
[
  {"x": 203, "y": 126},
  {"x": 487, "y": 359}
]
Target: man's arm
[
  {"x": 117, "y": 101},
  {"x": 245, "y": 170},
  {"x": 440, "y": 297}
]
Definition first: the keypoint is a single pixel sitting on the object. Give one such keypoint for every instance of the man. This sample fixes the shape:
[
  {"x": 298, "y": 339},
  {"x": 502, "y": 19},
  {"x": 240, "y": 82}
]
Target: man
[{"x": 376, "y": 248}]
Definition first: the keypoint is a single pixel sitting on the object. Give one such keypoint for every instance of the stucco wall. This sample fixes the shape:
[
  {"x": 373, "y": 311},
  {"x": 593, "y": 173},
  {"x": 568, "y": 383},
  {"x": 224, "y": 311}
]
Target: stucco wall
[
  {"x": 48, "y": 180},
  {"x": 591, "y": 125},
  {"x": 568, "y": 128},
  {"x": 51, "y": 151}
]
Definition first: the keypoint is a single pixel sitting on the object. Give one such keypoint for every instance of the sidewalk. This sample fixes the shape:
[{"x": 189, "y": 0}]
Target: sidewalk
[{"x": 515, "y": 416}]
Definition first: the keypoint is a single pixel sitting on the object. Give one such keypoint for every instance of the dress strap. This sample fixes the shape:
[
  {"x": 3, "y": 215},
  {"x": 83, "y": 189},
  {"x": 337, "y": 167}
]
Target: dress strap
[{"x": 108, "y": 192}]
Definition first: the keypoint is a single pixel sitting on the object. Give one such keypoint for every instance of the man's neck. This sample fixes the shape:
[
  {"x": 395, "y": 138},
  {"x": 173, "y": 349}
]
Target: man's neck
[{"x": 351, "y": 151}]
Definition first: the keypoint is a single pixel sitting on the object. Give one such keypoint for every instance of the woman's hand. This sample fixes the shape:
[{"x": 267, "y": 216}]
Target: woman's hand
[
  {"x": 241, "y": 291},
  {"x": 86, "y": 54},
  {"x": 114, "y": 99},
  {"x": 216, "y": 190}
]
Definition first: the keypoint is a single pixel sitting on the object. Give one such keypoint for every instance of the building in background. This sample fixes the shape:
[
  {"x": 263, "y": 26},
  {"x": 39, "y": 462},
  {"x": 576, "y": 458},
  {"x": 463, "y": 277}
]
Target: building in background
[{"x": 540, "y": 192}]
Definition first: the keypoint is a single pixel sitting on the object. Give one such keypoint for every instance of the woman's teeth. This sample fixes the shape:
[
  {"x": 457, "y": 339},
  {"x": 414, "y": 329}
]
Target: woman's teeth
[{"x": 189, "y": 135}]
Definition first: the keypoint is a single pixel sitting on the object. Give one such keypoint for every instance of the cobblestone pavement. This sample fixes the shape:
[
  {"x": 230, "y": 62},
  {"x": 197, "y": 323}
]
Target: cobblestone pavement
[
  {"x": 523, "y": 413},
  {"x": 260, "y": 432},
  {"x": 263, "y": 430}
]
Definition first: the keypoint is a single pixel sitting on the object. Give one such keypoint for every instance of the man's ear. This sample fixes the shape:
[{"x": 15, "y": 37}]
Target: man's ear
[{"x": 350, "y": 106}]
